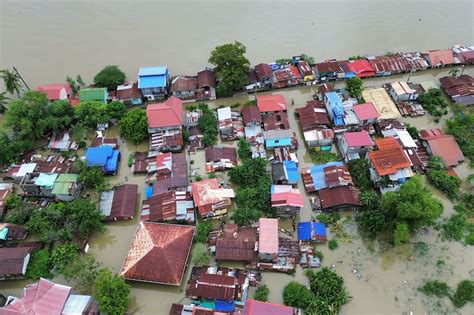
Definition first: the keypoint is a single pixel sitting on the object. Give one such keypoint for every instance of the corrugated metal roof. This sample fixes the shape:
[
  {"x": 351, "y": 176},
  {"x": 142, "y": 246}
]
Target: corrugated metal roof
[
  {"x": 46, "y": 180},
  {"x": 63, "y": 183},
  {"x": 167, "y": 114},
  {"x": 93, "y": 94},
  {"x": 268, "y": 236},
  {"x": 253, "y": 307},
  {"x": 389, "y": 157},
  {"x": 358, "y": 139},
  {"x": 147, "y": 71},
  {"x": 271, "y": 103},
  {"x": 339, "y": 196},
  {"x": 365, "y": 111}
]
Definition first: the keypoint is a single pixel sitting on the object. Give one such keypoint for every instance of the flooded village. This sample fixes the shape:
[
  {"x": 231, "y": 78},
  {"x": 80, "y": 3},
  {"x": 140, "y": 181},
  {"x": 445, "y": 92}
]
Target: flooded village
[{"x": 205, "y": 200}]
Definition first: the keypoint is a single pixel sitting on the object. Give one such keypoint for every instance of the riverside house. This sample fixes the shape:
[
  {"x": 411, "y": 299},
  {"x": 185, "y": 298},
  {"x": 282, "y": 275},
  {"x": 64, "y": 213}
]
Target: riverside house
[
  {"x": 56, "y": 91},
  {"x": 154, "y": 82},
  {"x": 93, "y": 94}
]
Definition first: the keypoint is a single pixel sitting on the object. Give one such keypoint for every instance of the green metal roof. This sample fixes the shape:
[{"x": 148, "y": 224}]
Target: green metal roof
[
  {"x": 93, "y": 94},
  {"x": 46, "y": 180},
  {"x": 63, "y": 183}
]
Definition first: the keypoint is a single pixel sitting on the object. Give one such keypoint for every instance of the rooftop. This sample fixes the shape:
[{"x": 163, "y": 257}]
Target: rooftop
[
  {"x": 390, "y": 157},
  {"x": 382, "y": 102},
  {"x": 206, "y": 78},
  {"x": 128, "y": 90},
  {"x": 254, "y": 307},
  {"x": 401, "y": 88},
  {"x": 208, "y": 192},
  {"x": 339, "y": 196},
  {"x": 271, "y": 103},
  {"x": 443, "y": 145},
  {"x": 365, "y": 111},
  {"x": 105, "y": 157},
  {"x": 236, "y": 243},
  {"x": 358, "y": 139},
  {"x": 440, "y": 57},
  {"x": 251, "y": 114},
  {"x": 166, "y": 114},
  {"x": 64, "y": 183},
  {"x": 119, "y": 203},
  {"x": 268, "y": 236},
  {"x": 93, "y": 94},
  {"x": 53, "y": 91}
]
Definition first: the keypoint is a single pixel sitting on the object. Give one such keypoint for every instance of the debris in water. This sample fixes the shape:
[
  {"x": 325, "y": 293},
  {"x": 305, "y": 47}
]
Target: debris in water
[
  {"x": 333, "y": 266},
  {"x": 354, "y": 271},
  {"x": 411, "y": 258}
]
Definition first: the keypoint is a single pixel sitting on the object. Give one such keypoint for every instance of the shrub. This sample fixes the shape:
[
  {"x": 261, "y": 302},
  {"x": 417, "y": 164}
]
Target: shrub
[
  {"x": 202, "y": 231},
  {"x": 401, "y": 234},
  {"x": 296, "y": 295},
  {"x": 261, "y": 294},
  {"x": 464, "y": 293},
  {"x": 448, "y": 184},
  {"x": 436, "y": 288},
  {"x": 39, "y": 265},
  {"x": 200, "y": 255},
  {"x": 321, "y": 157},
  {"x": 332, "y": 244}
]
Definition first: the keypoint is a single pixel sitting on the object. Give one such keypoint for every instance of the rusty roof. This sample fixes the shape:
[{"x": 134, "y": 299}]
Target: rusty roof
[
  {"x": 176, "y": 179},
  {"x": 206, "y": 78},
  {"x": 389, "y": 157},
  {"x": 183, "y": 83},
  {"x": 276, "y": 121},
  {"x": 337, "y": 176},
  {"x": 12, "y": 260},
  {"x": 158, "y": 253},
  {"x": 237, "y": 244},
  {"x": 313, "y": 115},
  {"x": 395, "y": 64},
  {"x": 328, "y": 67},
  {"x": 263, "y": 71},
  {"x": 443, "y": 145},
  {"x": 124, "y": 203},
  {"x": 339, "y": 196},
  {"x": 214, "y": 154},
  {"x": 251, "y": 114},
  {"x": 128, "y": 90}
]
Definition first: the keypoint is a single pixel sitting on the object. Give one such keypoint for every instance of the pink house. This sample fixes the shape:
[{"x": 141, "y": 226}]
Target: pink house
[
  {"x": 354, "y": 145},
  {"x": 56, "y": 91},
  {"x": 267, "y": 239}
]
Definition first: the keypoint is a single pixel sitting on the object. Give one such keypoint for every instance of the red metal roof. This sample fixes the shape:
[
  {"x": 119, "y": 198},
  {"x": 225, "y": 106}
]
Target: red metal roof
[
  {"x": 268, "y": 236},
  {"x": 271, "y": 103},
  {"x": 365, "y": 111},
  {"x": 12, "y": 260},
  {"x": 237, "y": 244},
  {"x": 53, "y": 91},
  {"x": 389, "y": 157},
  {"x": 158, "y": 253},
  {"x": 251, "y": 114},
  {"x": 183, "y": 83},
  {"x": 214, "y": 154},
  {"x": 443, "y": 145},
  {"x": 167, "y": 114},
  {"x": 263, "y": 71},
  {"x": 124, "y": 204},
  {"x": 296, "y": 72},
  {"x": 358, "y": 139},
  {"x": 129, "y": 90},
  {"x": 339, "y": 196},
  {"x": 313, "y": 115},
  {"x": 254, "y": 307},
  {"x": 362, "y": 68},
  {"x": 292, "y": 199},
  {"x": 206, "y": 78},
  {"x": 440, "y": 57},
  {"x": 328, "y": 67},
  {"x": 275, "y": 121}
]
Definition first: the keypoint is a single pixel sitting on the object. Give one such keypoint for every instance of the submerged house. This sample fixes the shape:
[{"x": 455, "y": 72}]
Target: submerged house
[
  {"x": 55, "y": 91},
  {"x": 129, "y": 94},
  {"x": 354, "y": 145},
  {"x": 280, "y": 138},
  {"x": 153, "y": 82},
  {"x": 67, "y": 187},
  {"x": 210, "y": 199},
  {"x": 439, "y": 58},
  {"x": 206, "y": 81},
  {"x": 339, "y": 198},
  {"x": 285, "y": 172},
  {"x": 362, "y": 68},
  {"x": 119, "y": 203},
  {"x": 234, "y": 243},
  {"x": 460, "y": 89},
  {"x": 158, "y": 253},
  {"x": 264, "y": 74},
  {"x": 62, "y": 142},
  {"x": 105, "y": 157},
  {"x": 305, "y": 70},
  {"x": 267, "y": 239},
  {"x": 94, "y": 94},
  {"x": 286, "y": 200},
  {"x": 335, "y": 108},
  {"x": 254, "y": 307},
  {"x": 230, "y": 124},
  {"x": 169, "y": 206},
  {"x": 167, "y": 172},
  {"x": 165, "y": 125},
  {"x": 38, "y": 184},
  {"x": 184, "y": 87},
  {"x": 14, "y": 262},
  {"x": 388, "y": 65},
  {"x": 284, "y": 78},
  {"x": 220, "y": 158},
  {"x": 271, "y": 103},
  {"x": 400, "y": 91},
  {"x": 382, "y": 102},
  {"x": 438, "y": 143},
  {"x": 327, "y": 175},
  {"x": 12, "y": 232}
]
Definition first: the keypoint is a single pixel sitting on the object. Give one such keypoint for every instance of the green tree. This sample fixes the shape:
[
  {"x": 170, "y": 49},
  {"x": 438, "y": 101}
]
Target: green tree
[
  {"x": 39, "y": 265},
  {"x": 202, "y": 232},
  {"x": 455, "y": 227},
  {"x": 200, "y": 255},
  {"x": 447, "y": 184},
  {"x": 401, "y": 233},
  {"x": 369, "y": 199},
  {"x": 359, "y": 169},
  {"x": 328, "y": 290},
  {"x": 245, "y": 216},
  {"x": 255, "y": 198},
  {"x": 453, "y": 72},
  {"x": 244, "y": 149},
  {"x": 249, "y": 173},
  {"x": 231, "y": 67},
  {"x": 413, "y": 131},
  {"x": 116, "y": 109},
  {"x": 262, "y": 292},
  {"x": 11, "y": 149},
  {"x": 134, "y": 126},
  {"x": 372, "y": 222},
  {"x": 434, "y": 102},
  {"x": 207, "y": 123},
  {"x": 332, "y": 244},
  {"x": 308, "y": 59},
  {"x": 436, "y": 163},
  {"x": 93, "y": 177},
  {"x": 66, "y": 221},
  {"x": 436, "y": 288},
  {"x": 91, "y": 113},
  {"x": 464, "y": 293},
  {"x": 83, "y": 273},
  {"x": 111, "y": 293},
  {"x": 461, "y": 128},
  {"x": 11, "y": 80},
  {"x": 20, "y": 214},
  {"x": 355, "y": 86},
  {"x": 76, "y": 84},
  {"x": 296, "y": 295},
  {"x": 109, "y": 77},
  {"x": 3, "y": 101},
  {"x": 64, "y": 255}
]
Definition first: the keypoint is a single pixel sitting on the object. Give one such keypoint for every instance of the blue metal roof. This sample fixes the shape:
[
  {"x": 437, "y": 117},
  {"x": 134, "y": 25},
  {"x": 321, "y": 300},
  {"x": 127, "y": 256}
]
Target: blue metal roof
[
  {"x": 274, "y": 143},
  {"x": 317, "y": 174},
  {"x": 292, "y": 171},
  {"x": 146, "y": 71},
  {"x": 104, "y": 156},
  {"x": 112, "y": 162},
  {"x": 319, "y": 229},
  {"x": 337, "y": 108},
  {"x": 304, "y": 231},
  {"x": 155, "y": 81},
  {"x": 225, "y": 306}
]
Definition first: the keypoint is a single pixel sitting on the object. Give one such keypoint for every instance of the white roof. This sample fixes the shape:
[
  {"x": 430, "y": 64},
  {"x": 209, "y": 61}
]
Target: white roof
[
  {"x": 401, "y": 88},
  {"x": 105, "y": 203},
  {"x": 405, "y": 138},
  {"x": 76, "y": 304},
  {"x": 401, "y": 173},
  {"x": 125, "y": 86},
  {"x": 25, "y": 169},
  {"x": 224, "y": 113},
  {"x": 223, "y": 193}
]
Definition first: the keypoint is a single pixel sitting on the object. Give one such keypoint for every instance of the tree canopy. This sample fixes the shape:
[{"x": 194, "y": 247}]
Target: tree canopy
[
  {"x": 262, "y": 292},
  {"x": 11, "y": 150},
  {"x": 207, "y": 123},
  {"x": 355, "y": 86},
  {"x": 434, "y": 102},
  {"x": 461, "y": 127},
  {"x": 92, "y": 177},
  {"x": 91, "y": 113},
  {"x": 64, "y": 255},
  {"x": 40, "y": 265},
  {"x": 200, "y": 255},
  {"x": 296, "y": 295},
  {"x": 244, "y": 149},
  {"x": 202, "y": 231},
  {"x": 66, "y": 221},
  {"x": 111, "y": 292},
  {"x": 116, "y": 109},
  {"x": 231, "y": 67},
  {"x": 134, "y": 126},
  {"x": 245, "y": 216},
  {"x": 109, "y": 77},
  {"x": 11, "y": 80},
  {"x": 328, "y": 290}
]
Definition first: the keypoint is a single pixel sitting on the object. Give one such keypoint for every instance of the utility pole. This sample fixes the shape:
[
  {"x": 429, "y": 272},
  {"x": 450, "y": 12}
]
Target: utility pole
[
  {"x": 21, "y": 78},
  {"x": 409, "y": 75}
]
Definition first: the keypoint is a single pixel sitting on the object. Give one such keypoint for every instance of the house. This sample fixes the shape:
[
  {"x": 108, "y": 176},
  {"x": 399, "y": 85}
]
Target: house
[
  {"x": 271, "y": 103},
  {"x": 206, "y": 81},
  {"x": 38, "y": 184},
  {"x": 313, "y": 116},
  {"x": 254, "y": 307},
  {"x": 388, "y": 65},
  {"x": 169, "y": 206},
  {"x": 67, "y": 187},
  {"x": 439, "y": 58},
  {"x": 129, "y": 94},
  {"x": 47, "y": 297},
  {"x": 382, "y": 102},
  {"x": 55, "y": 91},
  {"x": 153, "y": 82},
  {"x": 230, "y": 124},
  {"x": 165, "y": 124},
  {"x": 339, "y": 198},
  {"x": 285, "y": 172},
  {"x": 284, "y": 77},
  {"x": 296, "y": 73},
  {"x": 438, "y": 143},
  {"x": 319, "y": 138},
  {"x": 234, "y": 243},
  {"x": 354, "y": 145},
  {"x": 158, "y": 253},
  {"x": 366, "y": 113},
  {"x": 328, "y": 70},
  {"x": 94, "y": 94},
  {"x": 331, "y": 174},
  {"x": 286, "y": 200},
  {"x": 220, "y": 287},
  {"x": 400, "y": 91},
  {"x": 335, "y": 108},
  {"x": 191, "y": 117},
  {"x": 105, "y": 157},
  {"x": 264, "y": 74},
  {"x": 184, "y": 87},
  {"x": 390, "y": 160},
  {"x": 119, "y": 203},
  {"x": 251, "y": 116},
  {"x": 362, "y": 68},
  {"x": 169, "y": 173},
  {"x": 254, "y": 135},
  {"x": 305, "y": 70},
  {"x": 280, "y": 138},
  {"x": 100, "y": 140},
  {"x": 190, "y": 309},
  {"x": 12, "y": 232},
  {"x": 210, "y": 199},
  {"x": 416, "y": 60},
  {"x": 276, "y": 121},
  {"x": 267, "y": 239},
  {"x": 312, "y": 232},
  {"x": 460, "y": 89},
  {"x": 62, "y": 142},
  {"x": 22, "y": 171},
  {"x": 220, "y": 159},
  {"x": 196, "y": 139},
  {"x": 6, "y": 189},
  {"x": 14, "y": 262}
]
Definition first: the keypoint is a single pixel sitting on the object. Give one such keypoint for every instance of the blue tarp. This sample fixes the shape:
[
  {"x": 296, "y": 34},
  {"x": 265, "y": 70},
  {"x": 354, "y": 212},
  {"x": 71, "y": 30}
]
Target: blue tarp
[
  {"x": 104, "y": 156},
  {"x": 154, "y": 81},
  {"x": 112, "y": 162},
  {"x": 274, "y": 143},
  {"x": 337, "y": 108},
  {"x": 292, "y": 171},
  {"x": 225, "y": 306},
  {"x": 319, "y": 229},
  {"x": 304, "y": 231},
  {"x": 148, "y": 191},
  {"x": 317, "y": 174}
]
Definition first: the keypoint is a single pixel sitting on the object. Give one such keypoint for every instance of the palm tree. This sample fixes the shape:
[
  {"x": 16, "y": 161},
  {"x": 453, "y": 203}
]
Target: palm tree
[
  {"x": 12, "y": 81},
  {"x": 245, "y": 216},
  {"x": 453, "y": 72},
  {"x": 3, "y": 101}
]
